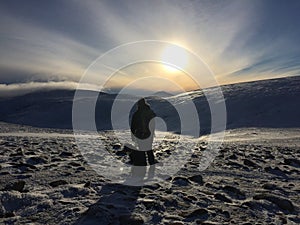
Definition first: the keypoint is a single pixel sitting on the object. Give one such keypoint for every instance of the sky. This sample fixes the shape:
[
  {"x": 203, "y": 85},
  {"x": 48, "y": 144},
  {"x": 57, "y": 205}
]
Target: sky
[{"x": 52, "y": 43}]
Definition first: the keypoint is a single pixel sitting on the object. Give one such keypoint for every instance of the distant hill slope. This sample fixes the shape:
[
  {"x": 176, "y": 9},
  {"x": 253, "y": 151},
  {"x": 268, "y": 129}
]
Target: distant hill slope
[{"x": 268, "y": 103}]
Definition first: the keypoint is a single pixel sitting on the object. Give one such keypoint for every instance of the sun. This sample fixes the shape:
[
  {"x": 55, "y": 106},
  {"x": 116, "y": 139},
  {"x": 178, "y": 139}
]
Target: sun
[{"x": 174, "y": 55}]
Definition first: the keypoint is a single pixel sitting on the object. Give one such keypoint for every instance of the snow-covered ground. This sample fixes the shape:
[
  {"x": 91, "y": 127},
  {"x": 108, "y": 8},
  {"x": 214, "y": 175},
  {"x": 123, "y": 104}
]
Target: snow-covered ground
[
  {"x": 253, "y": 180},
  {"x": 48, "y": 175}
]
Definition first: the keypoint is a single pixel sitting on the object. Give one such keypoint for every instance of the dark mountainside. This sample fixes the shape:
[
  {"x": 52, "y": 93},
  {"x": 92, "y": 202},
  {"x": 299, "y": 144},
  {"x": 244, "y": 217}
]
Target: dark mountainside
[{"x": 268, "y": 103}]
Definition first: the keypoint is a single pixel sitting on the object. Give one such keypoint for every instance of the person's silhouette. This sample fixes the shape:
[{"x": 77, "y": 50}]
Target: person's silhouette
[{"x": 142, "y": 133}]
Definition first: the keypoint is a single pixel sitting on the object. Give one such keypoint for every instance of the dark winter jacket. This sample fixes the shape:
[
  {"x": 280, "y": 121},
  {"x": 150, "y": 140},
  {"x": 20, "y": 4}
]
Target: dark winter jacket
[{"x": 140, "y": 122}]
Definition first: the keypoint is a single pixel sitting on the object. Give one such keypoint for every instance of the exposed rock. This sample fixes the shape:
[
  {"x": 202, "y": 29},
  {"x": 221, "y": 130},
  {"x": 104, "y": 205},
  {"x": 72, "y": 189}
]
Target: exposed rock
[
  {"x": 25, "y": 165},
  {"x": 282, "y": 203},
  {"x": 17, "y": 186},
  {"x": 197, "y": 178},
  {"x": 149, "y": 203},
  {"x": 35, "y": 160},
  {"x": 203, "y": 146},
  {"x": 269, "y": 186},
  {"x": 181, "y": 181},
  {"x": 131, "y": 219},
  {"x": 234, "y": 192},
  {"x": 75, "y": 164},
  {"x": 58, "y": 183},
  {"x": 198, "y": 212},
  {"x": 169, "y": 201},
  {"x": 8, "y": 215},
  {"x": 117, "y": 146},
  {"x": 292, "y": 162},
  {"x": 65, "y": 154},
  {"x": 276, "y": 171},
  {"x": 226, "y": 214},
  {"x": 121, "y": 153},
  {"x": 87, "y": 184},
  {"x": 233, "y": 157},
  {"x": 222, "y": 198},
  {"x": 18, "y": 152},
  {"x": 248, "y": 162}
]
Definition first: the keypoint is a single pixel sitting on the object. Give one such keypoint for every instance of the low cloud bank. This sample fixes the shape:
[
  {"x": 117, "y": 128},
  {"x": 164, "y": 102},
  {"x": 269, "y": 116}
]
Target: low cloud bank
[{"x": 11, "y": 90}]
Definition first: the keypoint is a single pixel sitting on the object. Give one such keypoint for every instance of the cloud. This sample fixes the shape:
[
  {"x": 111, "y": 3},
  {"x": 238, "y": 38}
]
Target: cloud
[
  {"x": 239, "y": 40},
  {"x": 33, "y": 49},
  {"x": 10, "y": 90}
]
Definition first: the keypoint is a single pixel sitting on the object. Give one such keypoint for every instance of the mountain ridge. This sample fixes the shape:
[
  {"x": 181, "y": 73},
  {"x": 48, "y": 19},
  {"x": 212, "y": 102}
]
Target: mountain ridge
[{"x": 268, "y": 103}]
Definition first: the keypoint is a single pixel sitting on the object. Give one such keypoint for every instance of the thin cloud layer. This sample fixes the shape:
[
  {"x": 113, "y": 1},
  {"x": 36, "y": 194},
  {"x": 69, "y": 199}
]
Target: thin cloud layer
[{"x": 11, "y": 90}]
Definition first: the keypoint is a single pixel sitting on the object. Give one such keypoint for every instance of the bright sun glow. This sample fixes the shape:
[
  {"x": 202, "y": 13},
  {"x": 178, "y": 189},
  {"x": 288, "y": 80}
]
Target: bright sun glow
[{"x": 176, "y": 56}]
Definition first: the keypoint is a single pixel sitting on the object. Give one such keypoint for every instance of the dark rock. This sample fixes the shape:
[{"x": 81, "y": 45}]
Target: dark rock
[
  {"x": 248, "y": 162},
  {"x": 75, "y": 164},
  {"x": 234, "y": 192},
  {"x": 181, "y": 181},
  {"x": 65, "y": 154},
  {"x": 121, "y": 153},
  {"x": 168, "y": 151},
  {"x": 197, "y": 178},
  {"x": 197, "y": 213},
  {"x": 35, "y": 160},
  {"x": 275, "y": 171},
  {"x": 232, "y": 157},
  {"x": 58, "y": 183},
  {"x": 254, "y": 205},
  {"x": 222, "y": 198},
  {"x": 192, "y": 198},
  {"x": 26, "y": 165},
  {"x": 203, "y": 146},
  {"x": 19, "y": 152},
  {"x": 131, "y": 219},
  {"x": 56, "y": 160},
  {"x": 8, "y": 215},
  {"x": 194, "y": 156},
  {"x": 168, "y": 191},
  {"x": 149, "y": 203},
  {"x": 2, "y": 173},
  {"x": 81, "y": 168},
  {"x": 269, "y": 156},
  {"x": 226, "y": 214},
  {"x": 17, "y": 186},
  {"x": 87, "y": 184},
  {"x": 269, "y": 186},
  {"x": 23, "y": 176},
  {"x": 282, "y": 203},
  {"x": 153, "y": 186},
  {"x": 283, "y": 220},
  {"x": 292, "y": 162},
  {"x": 117, "y": 146},
  {"x": 235, "y": 164}
]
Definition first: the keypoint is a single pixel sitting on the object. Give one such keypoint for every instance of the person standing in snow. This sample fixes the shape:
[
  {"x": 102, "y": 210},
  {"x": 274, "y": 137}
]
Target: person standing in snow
[{"x": 142, "y": 132}]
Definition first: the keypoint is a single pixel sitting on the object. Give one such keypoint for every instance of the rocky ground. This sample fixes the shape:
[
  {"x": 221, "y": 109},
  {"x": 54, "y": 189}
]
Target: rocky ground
[{"x": 253, "y": 180}]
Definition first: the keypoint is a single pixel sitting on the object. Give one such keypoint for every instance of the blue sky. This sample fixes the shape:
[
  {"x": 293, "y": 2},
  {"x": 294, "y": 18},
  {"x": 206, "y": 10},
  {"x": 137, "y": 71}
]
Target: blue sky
[{"x": 54, "y": 41}]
